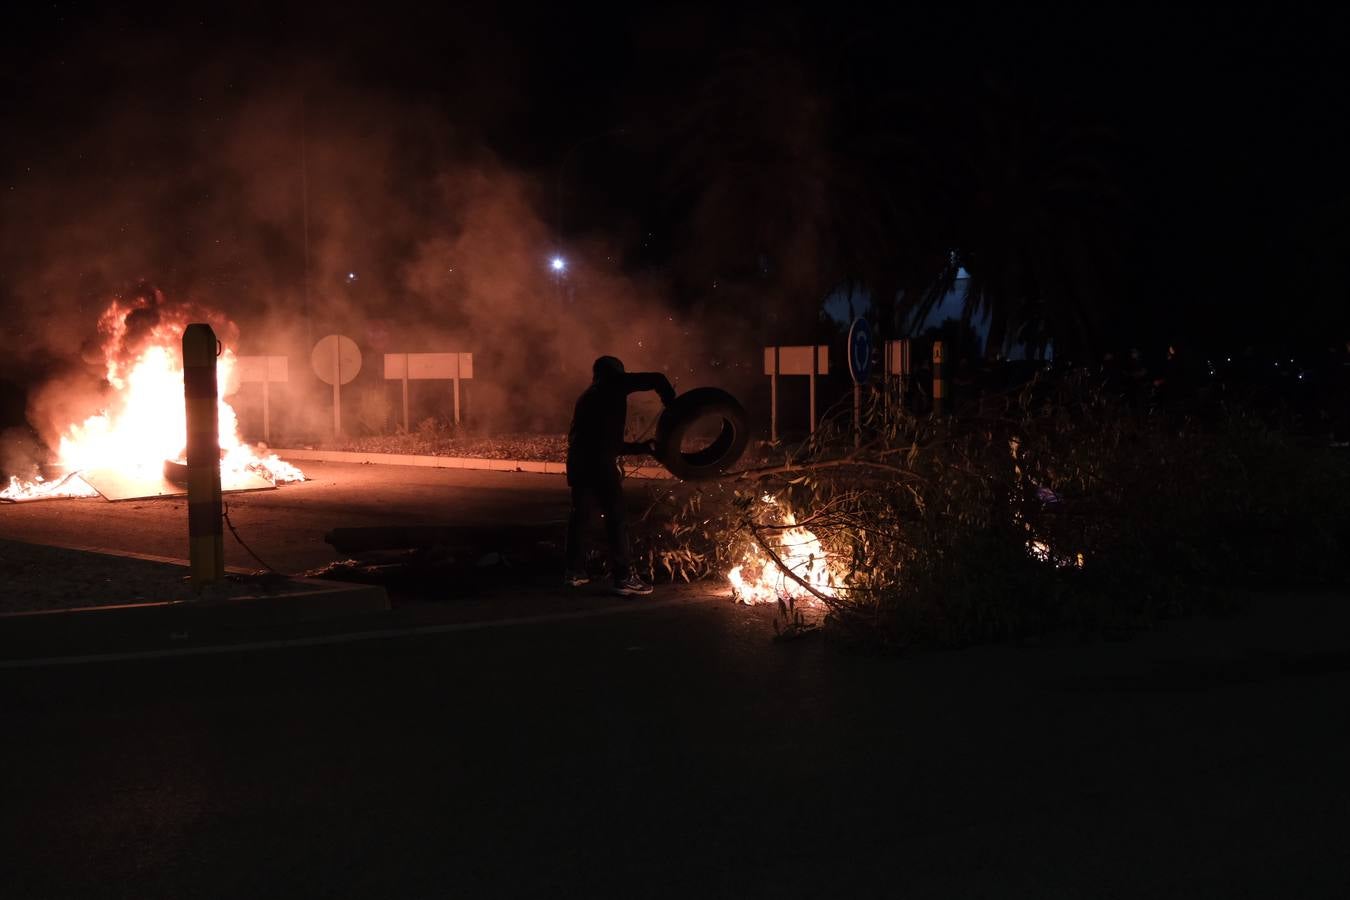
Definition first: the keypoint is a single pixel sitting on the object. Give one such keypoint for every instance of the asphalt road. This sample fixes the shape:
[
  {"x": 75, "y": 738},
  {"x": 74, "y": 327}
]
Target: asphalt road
[
  {"x": 666, "y": 750},
  {"x": 286, "y": 526},
  {"x": 677, "y": 752}
]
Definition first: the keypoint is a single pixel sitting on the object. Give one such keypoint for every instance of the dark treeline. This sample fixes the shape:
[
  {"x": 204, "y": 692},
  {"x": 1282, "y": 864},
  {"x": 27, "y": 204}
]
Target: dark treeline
[{"x": 1108, "y": 181}]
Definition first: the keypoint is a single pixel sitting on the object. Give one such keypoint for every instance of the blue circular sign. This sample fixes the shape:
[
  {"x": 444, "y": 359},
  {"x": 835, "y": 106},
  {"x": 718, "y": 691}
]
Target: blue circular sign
[{"x": 860, "y": 351}]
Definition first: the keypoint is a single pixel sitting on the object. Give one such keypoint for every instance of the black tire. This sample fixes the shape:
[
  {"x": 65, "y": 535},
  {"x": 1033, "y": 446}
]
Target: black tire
[
  {"x": 176, "y": 472},
  {"x": 725, "y": 450}
]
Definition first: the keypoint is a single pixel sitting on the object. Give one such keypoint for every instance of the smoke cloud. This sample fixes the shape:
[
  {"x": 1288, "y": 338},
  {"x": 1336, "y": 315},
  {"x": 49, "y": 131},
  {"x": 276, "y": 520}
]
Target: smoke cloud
[{"x": 297, "y": 204}]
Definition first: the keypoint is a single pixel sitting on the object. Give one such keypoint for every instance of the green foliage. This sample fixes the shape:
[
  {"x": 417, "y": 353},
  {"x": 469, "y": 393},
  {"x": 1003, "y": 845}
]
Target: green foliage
[{"x": 1057, "y": 507}]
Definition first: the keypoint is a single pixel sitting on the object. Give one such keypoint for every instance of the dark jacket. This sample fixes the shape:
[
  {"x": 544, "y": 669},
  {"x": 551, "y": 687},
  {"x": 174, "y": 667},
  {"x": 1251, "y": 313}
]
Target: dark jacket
[{"x": 595, "y": 440}]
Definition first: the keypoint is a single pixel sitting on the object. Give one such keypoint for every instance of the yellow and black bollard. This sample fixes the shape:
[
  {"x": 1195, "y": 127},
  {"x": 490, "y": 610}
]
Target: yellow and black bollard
[
  {"x": 206, "y": 546},
  {"x": 939, "y": 382}
]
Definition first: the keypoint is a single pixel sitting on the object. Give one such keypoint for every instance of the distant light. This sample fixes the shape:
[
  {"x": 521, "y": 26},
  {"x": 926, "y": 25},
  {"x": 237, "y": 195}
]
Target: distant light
[
  {"x": 351, "y": 276},
  {"x": 558, "y": 264}
]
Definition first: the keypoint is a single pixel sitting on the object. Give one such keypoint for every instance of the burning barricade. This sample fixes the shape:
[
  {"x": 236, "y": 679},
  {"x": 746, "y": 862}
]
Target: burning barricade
[
  {"x": 784, "y": 561},
  {"x": 135, "y": 427},
  {"x": 929, "y": 530}
]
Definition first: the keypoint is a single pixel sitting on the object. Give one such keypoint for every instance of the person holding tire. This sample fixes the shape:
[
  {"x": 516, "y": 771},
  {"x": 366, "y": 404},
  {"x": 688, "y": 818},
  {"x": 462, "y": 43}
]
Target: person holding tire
[{"x": 594, "y": 444}]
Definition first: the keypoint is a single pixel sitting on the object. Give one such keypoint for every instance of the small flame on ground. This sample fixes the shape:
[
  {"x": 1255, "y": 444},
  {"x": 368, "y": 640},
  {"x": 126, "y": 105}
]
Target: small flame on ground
[
  {"x": 1041, "y": 552},
  {"x": 70, "y": 485},
  {"x": 759, "y": 579}
]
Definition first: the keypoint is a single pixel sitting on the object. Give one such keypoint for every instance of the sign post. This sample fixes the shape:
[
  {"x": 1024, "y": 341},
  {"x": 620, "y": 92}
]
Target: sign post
[
  {"x": 939, "y": 381},
  {"x": 898, "y": 367},
  {"x": 808, "y": 360},
  {"x": 407, "y": 367},
  {"x": 773, "y": 393},
  {"x": 336, "y": 360},
  {"x": 859, "y": 368},
  {"x": 265, "y": 369}
]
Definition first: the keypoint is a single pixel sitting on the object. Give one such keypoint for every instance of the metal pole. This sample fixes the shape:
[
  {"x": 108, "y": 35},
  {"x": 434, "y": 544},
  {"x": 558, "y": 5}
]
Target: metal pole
[
  {"x": 337, "y": 389},
  {"x": 407, "y": 426},
  {"x": 267, "y": 413},
  {"x": 206, "y": 548},
  {"x": 887, "y": 365},
  {"x": 857, "y": 415},
  {"x": 939, "y": 382},
  {"x": 304, "y": 205},
  {"x": 815, "y": 366},
  {"x": 904, "y": 371},
  {"x": 773, "y": 399}
]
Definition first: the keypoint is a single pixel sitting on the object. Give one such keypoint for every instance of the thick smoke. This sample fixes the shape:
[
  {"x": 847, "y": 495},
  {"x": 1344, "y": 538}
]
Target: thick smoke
[{"x": 296, "y": 205}]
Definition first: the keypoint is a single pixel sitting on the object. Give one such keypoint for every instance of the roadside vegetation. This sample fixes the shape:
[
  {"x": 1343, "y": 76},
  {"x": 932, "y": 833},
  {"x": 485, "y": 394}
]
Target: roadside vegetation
[{"x": 1056, "y": 506}]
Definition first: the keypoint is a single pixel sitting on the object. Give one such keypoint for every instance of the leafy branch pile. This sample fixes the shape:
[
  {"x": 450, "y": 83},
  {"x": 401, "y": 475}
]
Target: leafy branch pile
[{"x": 1058, "y": 506}]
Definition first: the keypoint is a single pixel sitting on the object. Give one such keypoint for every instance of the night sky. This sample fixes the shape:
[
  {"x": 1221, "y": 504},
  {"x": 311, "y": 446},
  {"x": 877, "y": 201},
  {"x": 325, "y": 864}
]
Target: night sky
[{"x": 1222, "y": 139}]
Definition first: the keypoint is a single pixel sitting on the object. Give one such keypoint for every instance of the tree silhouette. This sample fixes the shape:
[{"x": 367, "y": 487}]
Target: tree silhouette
[
  {"x": 791, "y": 186},
  {"x": 1032, "y": 209},
  {"x": 799, "y": 178}
]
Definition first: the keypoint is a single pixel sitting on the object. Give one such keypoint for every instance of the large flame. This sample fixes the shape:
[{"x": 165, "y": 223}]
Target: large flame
[
  {"x": 760, "y": 579},
  {"x": 144, "y": 421}
]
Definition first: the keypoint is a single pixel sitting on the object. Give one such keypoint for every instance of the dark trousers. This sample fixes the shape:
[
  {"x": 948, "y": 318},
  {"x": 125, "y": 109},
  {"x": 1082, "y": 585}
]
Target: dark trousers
[{"x": 605, "y": 493}]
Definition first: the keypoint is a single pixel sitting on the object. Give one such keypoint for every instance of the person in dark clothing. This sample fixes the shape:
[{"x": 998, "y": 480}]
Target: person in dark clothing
[{"x": 594, "y": 444}]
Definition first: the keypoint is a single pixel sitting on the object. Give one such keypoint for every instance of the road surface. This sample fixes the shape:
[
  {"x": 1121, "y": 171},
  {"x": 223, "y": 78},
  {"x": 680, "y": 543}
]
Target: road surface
[
  {"x": 668, "y": 750},
  {"x": 286, "y": 526}
]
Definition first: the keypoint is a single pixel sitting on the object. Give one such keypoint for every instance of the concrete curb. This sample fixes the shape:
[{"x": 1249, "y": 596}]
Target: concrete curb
[{"x": 542, "y": 467}]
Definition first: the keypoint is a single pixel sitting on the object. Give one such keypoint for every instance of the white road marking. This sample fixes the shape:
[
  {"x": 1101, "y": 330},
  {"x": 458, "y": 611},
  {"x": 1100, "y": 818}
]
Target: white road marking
[{"x": 354, "y": 637}]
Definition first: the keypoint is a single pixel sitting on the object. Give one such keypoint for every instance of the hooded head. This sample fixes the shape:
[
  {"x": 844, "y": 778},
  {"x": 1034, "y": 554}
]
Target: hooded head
[{"x": 606, "y": 367}]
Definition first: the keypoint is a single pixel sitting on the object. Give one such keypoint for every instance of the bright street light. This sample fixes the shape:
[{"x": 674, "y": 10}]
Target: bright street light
[{"x": 558, "y": 264}]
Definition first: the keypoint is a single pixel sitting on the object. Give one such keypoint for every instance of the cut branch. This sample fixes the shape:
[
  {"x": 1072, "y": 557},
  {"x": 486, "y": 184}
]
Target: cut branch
[
  {"x": 783, "y": 567},
  {"x": 756, "y": 474}
]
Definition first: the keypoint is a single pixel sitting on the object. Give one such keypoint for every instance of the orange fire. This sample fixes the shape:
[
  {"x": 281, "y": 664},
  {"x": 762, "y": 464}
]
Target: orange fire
[
  {"x": 144, "y": 422},
  {"x": 760, "y": 579}
]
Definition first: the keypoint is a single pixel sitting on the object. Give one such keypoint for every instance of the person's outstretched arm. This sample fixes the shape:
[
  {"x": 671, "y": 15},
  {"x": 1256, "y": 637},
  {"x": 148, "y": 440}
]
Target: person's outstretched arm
[
  {"x": 634, "y": 448},
  {"x": 649, "y": 381},
  {"x": 646, "y": 381}
]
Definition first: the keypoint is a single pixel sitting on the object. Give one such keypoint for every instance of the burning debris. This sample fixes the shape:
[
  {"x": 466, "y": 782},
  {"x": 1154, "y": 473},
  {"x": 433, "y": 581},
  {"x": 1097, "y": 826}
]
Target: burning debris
[
  {"x": 931, "y": 530},
  {"x": 784, "y": 562},
  {"x": 39, "y": 488},
  {"x": 140, "y": 423}
]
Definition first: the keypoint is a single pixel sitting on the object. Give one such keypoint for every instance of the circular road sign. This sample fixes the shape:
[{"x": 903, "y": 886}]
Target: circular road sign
[
  {"x": 336, "y": 359},
  {"x": 860, "y": 351}
]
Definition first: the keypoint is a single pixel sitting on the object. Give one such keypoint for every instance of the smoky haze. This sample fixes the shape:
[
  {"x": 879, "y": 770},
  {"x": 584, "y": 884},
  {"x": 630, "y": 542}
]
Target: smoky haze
[{"x": 419, "y": 239}]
